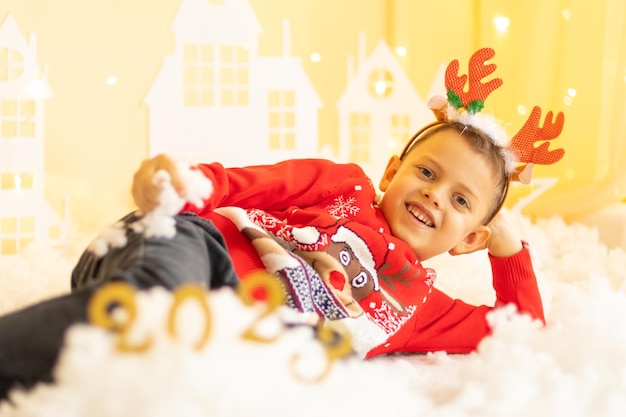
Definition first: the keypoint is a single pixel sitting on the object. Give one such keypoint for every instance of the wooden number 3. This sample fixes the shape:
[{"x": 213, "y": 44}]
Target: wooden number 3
[{"x": 336, "y": 346}]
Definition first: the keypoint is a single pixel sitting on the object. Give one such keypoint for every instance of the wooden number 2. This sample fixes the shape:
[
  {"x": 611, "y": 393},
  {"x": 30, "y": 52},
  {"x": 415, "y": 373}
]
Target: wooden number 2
[
  {"x": 274, "y": 299},
  {"x": 103, "y": 311}
]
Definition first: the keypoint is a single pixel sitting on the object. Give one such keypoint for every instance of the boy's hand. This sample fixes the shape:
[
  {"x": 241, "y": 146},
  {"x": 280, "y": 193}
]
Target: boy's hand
[
  {"x": 504, "y": 240},
  {"x": 145, "y": 191}
]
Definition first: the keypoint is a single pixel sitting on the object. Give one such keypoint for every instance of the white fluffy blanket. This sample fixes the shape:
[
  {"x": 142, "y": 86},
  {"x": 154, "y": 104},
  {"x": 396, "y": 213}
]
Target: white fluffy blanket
[{"x": 576, "y": 366}]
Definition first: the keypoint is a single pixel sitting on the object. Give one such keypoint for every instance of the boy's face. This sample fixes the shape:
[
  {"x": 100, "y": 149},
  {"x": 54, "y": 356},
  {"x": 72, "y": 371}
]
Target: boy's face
[{"x": 437, "y": 197}]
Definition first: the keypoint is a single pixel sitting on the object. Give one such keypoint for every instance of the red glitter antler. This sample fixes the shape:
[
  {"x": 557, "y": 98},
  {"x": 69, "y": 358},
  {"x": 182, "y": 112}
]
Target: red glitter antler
[
  {"x": 531, "y": 132},
  {"x": 523, "y": 143},
  {"x": 477, "y": 92}
]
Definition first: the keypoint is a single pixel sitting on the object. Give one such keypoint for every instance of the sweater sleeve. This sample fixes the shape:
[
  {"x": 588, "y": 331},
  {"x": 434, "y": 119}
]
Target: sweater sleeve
[
  {"x": 454, "y": 326},
  {"x": 290, "y": 183},
  {"x": 515, "y": 283}
]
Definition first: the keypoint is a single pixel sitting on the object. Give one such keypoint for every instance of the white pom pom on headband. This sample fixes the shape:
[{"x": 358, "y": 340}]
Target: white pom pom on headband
[{"x": 464, "y": 107}]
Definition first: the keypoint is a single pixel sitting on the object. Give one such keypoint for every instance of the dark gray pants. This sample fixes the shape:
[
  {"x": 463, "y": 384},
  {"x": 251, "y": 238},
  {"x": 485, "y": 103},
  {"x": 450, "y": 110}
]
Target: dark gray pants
[{"x": 31, "y": 338}]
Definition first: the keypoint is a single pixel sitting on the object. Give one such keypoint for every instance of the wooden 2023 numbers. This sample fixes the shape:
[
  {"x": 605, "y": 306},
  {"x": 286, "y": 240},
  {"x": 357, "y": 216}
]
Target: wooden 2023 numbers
[{"x": 101, "y": 311}]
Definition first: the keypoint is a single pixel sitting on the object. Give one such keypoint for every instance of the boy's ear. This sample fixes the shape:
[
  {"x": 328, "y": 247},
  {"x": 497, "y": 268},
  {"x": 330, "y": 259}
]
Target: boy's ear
[
  {"x": 474, "y": 241},
  {"x": 390, "y": 172}
]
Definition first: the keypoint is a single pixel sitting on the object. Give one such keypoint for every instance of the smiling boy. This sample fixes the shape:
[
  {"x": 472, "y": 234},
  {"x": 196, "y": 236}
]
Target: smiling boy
[
  {"x": 360, "y": 254},
  {"x": 442, "y": 194},
  {"x": 341, "y": 252},
  {"x": 445, "y": 187}
]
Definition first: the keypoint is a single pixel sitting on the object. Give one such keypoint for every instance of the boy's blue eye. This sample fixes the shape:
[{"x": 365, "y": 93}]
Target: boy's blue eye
[
  {"x": 462, "y": 201},
  {"x": 426, "y": 172}
]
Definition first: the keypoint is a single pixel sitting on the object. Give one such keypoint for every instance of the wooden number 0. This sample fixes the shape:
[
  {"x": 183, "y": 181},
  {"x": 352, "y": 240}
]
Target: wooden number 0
[{"x": 181, "y": 294}]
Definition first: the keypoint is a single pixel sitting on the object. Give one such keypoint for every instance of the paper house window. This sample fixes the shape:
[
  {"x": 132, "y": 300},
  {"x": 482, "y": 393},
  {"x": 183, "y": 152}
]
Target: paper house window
[
  {"x": 215, "y": 75},
  {"x": 400, "y": 131},
  {"x": 17, "y": 118},
  {"x": 17, "y": 181},
  {"x": 199, "y": 75},
  {"x": 360, "y": 133},
  {"x": 11, "y": 64},
  {"x": 282, "y": 119},
  {"x": 380, "y": 83},
  {"x": 234, "y": 70},
  {"x": 16, "y": 233}
]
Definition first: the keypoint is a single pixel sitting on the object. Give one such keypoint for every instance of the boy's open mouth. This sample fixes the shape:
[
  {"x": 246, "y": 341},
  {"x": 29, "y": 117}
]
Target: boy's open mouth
[{"x": 421, "y": 217}]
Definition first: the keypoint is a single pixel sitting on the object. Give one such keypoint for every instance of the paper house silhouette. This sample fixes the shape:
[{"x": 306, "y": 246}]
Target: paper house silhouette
[
  {"x": 379, "y": 110},
  {"x": 25, "y": 216},
  {"x": 216, "y": 99}
]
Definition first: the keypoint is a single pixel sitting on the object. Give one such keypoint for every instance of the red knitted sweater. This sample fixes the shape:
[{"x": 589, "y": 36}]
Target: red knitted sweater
[{"x": 315, "y": 224}]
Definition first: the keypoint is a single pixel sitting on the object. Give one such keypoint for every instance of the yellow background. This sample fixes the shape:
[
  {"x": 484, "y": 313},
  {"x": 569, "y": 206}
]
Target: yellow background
[{"x": 96, "y": 134}]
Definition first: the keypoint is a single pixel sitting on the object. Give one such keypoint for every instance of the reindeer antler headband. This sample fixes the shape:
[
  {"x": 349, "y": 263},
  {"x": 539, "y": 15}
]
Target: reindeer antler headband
[{"x": 465, "y": 107}]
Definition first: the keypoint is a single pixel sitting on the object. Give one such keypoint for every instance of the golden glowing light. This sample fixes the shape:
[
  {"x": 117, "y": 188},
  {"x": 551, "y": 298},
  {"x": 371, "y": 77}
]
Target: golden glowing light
[
  {"x": 112, "y": 80},
  {"x": 315, "y": 57},
  {"x": 566, "y": 14},
  {"x": 18, "y": 181},
  {"x": 381, "y": 87},
  {"x": 501, "y": 23},
  {"x": 401, "y": 51},
  {"x": 521, "y": 109},
  {"x": 37, "y": 88}
]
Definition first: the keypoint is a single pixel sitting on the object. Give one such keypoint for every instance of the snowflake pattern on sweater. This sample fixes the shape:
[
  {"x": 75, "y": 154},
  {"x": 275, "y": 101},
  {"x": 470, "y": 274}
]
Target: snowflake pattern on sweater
[{"x": 343, "y": 207}]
